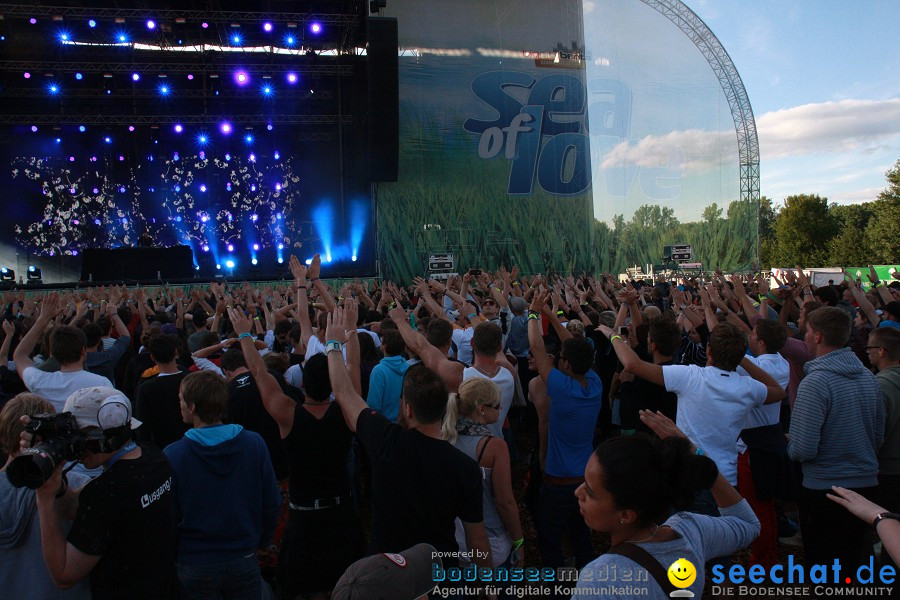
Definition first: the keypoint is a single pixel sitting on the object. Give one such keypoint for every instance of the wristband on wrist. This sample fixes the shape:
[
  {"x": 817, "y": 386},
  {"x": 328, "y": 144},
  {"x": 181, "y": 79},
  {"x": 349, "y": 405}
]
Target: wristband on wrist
[
  {"x": 246, "y": 334},
  {"x": 256, "y": 318},
  {"x": 472, "y": 316},
  {"x": 882, "y": 516},
  {"x": 332, "y": 345},
  {"x": 518, "y": 543},
  {"x": 533, "y": 317},
  {"x": 615, "y": 337},
  {"x": 560, "y": 313},
  {"x": 515, "y": 283}
]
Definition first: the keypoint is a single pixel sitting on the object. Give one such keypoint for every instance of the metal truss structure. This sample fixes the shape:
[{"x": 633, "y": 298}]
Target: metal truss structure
[{"x": 741, "y": 111}]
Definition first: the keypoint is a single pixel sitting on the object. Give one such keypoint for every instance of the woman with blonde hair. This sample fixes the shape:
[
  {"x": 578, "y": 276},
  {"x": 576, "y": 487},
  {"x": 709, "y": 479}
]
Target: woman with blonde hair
[{"x": 469, "y": 412}]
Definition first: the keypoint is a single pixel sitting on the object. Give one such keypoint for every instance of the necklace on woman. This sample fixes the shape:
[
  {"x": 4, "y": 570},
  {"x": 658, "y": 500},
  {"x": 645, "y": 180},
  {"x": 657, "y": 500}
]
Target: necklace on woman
[{"x": 646, "y": 539}]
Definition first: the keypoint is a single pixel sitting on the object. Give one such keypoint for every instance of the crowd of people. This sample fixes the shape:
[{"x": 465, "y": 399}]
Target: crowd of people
[{"x": 304, "y": 440}]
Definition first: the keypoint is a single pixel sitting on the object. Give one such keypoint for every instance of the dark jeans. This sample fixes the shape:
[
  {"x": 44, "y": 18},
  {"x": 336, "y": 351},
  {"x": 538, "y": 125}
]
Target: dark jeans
[
  {"x": 558, "y": 511},
  {"x": 831, "y": 532},
  {"x": 237, "y": 579}
]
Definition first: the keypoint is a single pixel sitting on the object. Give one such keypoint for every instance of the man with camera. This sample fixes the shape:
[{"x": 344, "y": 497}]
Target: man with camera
[{"x": 123, "y": 533}]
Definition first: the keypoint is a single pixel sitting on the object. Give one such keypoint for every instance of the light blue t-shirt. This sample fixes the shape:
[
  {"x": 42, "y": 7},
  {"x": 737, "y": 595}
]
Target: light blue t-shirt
[{"x": 702, "y": 538}]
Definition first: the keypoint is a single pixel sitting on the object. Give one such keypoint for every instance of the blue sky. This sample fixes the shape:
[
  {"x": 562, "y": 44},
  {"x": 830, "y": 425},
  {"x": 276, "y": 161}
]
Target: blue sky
[{"x": 824, "y": 81}]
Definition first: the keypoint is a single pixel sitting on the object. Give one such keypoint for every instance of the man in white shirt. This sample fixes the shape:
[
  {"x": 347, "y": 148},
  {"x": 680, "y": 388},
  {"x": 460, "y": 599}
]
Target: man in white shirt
[
  {"x": 713, "y": 401},
  {"x": 764, "y": 468},
  {"x": 68, "y": 345}
]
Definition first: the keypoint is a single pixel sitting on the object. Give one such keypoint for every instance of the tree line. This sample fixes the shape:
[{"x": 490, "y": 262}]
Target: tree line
[{"x": 804, "y": 230}]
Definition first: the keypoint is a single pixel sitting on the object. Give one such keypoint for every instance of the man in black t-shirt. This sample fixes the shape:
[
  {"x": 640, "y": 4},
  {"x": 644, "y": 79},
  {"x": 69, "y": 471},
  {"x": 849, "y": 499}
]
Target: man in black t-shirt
[
  {"x": 156, "y": 400},
  {"x": 421, "y": 483},
  {"x": 123, "y": 534}
]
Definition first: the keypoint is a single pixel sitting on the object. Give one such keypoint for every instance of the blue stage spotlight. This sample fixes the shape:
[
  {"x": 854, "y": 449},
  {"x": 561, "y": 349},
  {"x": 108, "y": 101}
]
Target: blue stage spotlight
[
  {"x": 53, "y": 89},
  {"x": 79, "y": 76},
  {"x": 122, "y": 37},
  {"x": 267, "y": 27},
  {"x": 92, "y": 23},
  {"x": 353, "y": 258},
  {"x": 164, "y": 90},
  {"x": 235, "y": 40},
  {"x": 178, "y": 128},
  {"x": 151, "y": 24},
  {"x": 135, "y": 76},
  {"x": 229, "y": 263},
  {"x": 225, "y": 128},
  {"x": 248, "y": 138},
  {"x": 289, "y": 40},
  {"x": 253, "y": 261},
  {"x": 64, "y": 36},
  {"x": 202, "y": 139},
  {"x": 308, "y": 261},
  {"x": 267, "y": 90},
  {"x": 291, "y": 77},
  {"x": 280, "y": 260}
]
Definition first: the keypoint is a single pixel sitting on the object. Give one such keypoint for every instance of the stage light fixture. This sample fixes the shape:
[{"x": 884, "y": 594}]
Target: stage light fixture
[
  {"x": 96, "y": 221},
  {"x": 256, "y": 246},
  {"x": 26, "y": 75},
  {"x": 203, "y": 187},
  {"x": 235, "y": 40},
  {"x": 7, "y": 274},
  {"x": 269, "y": 127},
  {"x": 230, "y": 248},
  {"x": 289, "y": 40},
  {"x": 281, "y": 246},
  {"x": 308, "y": 261},
  {"x": 315, "y": 28},
  {"x": 225, "y": 128},
  {"x": 277, "y": 156},
  {"x": 218, "y": 266},
  {"x": 135, "y": 76},
  {"x": 267, "y": 27},
  {"x": 32, "y": 20},
  {"x": 190, "y": 77},
  {"x": 204, "y": 25},
  {"x": 34, "y": 128},
  {"x": 248, "y": 138},
  {"x": 205, "y": 248},
  {"x": 241, "y": 77},
  {"x": 53, "y": 89},
  {"x": 82, "y": 128},
  {"x": 92, "y": 23},
  {"x": 280, "y": 260},
  {"x": 64, "y": 37},
  {"x": 267, "y": 90},
  {"x": 151, "y": 24},
  {"x": 252, "y": 158},
  {"x": 179, "y": 128},
  {"x": 202, "y": 139},
  {"x": 58, "y": 140},
  {"x": 108, "y": 140},
  {"x": 79, "y": 76},
  {"x": 122, "y": 37},
  {"x": 229, "y": 263},
  {"x": 163, "y": 90},
  {"x": 253, "y": 261},
  {"x": 131, "y": 128},
  {"x": 353, "y": 258},
  {"x": 291, "y": 77}
]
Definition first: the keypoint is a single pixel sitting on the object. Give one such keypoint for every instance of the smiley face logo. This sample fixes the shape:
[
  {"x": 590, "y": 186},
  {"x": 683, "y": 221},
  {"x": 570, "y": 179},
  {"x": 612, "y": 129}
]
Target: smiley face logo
[{"x": 682, "y": 573}]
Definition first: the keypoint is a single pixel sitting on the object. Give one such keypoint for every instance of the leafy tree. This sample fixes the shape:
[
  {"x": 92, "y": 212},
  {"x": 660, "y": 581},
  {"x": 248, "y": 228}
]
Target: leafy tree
[{"x": 803, "y": 230}]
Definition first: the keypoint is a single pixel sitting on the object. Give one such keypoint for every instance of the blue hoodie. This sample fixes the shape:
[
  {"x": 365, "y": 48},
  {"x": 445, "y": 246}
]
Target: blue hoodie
[
  {"x": 227, "y": 496},
  {"x": 385, "y": 386}
]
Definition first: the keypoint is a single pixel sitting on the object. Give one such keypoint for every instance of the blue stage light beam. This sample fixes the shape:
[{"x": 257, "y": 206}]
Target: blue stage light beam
[
  {"x": 359, "y": 217},
  {"x": 323, "y": 221}
]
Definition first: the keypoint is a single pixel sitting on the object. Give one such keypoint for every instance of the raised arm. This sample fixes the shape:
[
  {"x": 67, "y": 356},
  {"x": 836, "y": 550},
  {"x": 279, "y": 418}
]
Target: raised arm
[
  {"x": 348, "y": 399},
  {"x": 775, "y": 393},
  {"x": 279, "y": 406},
  {"x": 324, "y": 293},
  {"x": 451, "y": 372},
  {"x": 542, "y": 360},
  {"x": 22, "y": 358}
]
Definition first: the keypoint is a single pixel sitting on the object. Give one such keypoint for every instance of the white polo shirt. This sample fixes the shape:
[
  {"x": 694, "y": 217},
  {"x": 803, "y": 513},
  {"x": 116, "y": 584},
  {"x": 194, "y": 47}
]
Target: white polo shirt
[{"x": 780, "y": 370}]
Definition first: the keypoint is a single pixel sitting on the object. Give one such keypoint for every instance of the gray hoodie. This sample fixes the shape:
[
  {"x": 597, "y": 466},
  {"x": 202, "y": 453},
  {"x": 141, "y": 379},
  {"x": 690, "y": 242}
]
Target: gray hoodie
[
  {"x": 22, "y": 570},
  {"x": 837, "y": 423}
]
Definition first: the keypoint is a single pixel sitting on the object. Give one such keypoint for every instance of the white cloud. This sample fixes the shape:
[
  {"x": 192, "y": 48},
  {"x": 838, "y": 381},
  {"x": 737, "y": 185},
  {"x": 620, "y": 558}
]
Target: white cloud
[
  {"x": 828, "y": 127},
  {"x": 694, "y": 149}
]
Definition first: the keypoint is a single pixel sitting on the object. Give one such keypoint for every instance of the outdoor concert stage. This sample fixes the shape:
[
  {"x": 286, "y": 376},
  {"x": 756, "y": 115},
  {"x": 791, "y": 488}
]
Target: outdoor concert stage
[{"x": 557, "y": 136}]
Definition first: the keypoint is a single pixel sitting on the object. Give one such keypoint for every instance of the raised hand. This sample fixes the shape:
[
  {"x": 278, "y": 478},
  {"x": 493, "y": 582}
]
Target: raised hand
[
  {"x": 337, "y": 325},
  {"x": 539, "y": 301},
  {"x": 661, "y": 425},
  {"x": 239, "y": 321},
  {"x": 314, "y": 267},
  {"x": 298, "y": 269},
  {"x": 351, "y": 311}
]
